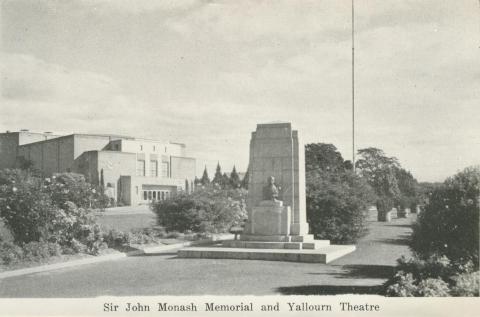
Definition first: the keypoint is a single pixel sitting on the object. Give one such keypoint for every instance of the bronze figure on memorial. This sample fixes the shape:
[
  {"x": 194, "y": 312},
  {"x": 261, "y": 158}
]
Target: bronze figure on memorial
[{"x": 270, "y": 191}]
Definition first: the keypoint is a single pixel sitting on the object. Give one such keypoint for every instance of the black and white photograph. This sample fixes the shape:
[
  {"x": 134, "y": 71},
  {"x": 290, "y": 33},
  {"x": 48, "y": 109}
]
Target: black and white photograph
[{"x": 257, "y": 157}]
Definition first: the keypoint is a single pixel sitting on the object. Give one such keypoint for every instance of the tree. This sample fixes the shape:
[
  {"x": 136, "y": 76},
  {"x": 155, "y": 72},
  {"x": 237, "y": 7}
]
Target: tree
[
  {"x": 379, "y": 171},
  {"x": 205, "y": 180},
  {"x": 197, "y": 181},
  {"x": 102, "y": 181},
  {"x": 408, "y": 187},
  {"x": 234, "y": 178},
  {"x": 225, "y": 181},
  {"x": 337, "y": 199},
  {"x": 245, "y": 180},
  {"x": 218, "y": 179},
  {"x": 322, "y": 156}
]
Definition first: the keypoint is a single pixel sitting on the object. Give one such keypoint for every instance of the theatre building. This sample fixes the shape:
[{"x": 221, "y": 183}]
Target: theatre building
[{"x": 133, "y": 170}]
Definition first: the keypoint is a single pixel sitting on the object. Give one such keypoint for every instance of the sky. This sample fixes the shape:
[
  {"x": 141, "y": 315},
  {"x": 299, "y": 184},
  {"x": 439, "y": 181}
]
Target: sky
[{"x": 205, "y": 73}]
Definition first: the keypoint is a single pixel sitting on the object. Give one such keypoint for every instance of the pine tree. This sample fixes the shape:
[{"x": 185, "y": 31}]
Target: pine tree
[
  {"x": 234, "y": 178},
  {"x": 225, "y": 181},
  {"x": 245, "y": 180},
  {"x": 102, "y": 181},
  {"x": 205, "y": 180},
  {"x": 197, "y": 181},
  {"x": 218, "y": 179}
]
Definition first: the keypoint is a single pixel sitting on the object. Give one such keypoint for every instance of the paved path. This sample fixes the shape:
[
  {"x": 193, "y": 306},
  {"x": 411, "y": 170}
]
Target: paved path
[{"x": 363, "y": 271}]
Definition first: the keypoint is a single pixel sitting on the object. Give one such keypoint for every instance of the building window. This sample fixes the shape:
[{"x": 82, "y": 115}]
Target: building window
[
  {"x": 154, "y": 148},
  {"x": 165, "y": 170},
  {"x": 154, "y": 168},
  {"x": 154, "y": 195},
  {"x": 141, "y": 147},
  {"x": 136, "y": 190},
  {"x": 144, "y": 195},
  {"x": 140, "y": 167},
  {"x": 163, "y": 195},
  {"x": 149, "y": 195}
]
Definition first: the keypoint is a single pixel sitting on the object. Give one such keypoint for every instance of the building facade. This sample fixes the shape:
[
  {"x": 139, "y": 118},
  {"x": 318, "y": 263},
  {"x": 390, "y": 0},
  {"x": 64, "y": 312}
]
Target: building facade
[{"x": 132, "y": 170}]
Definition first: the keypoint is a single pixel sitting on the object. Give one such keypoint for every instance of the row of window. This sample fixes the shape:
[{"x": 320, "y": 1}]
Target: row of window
[
  {"x": 156, "y": 194},
  {"x": 153, "y": 168},
  {"x": 154, "y": 148}
]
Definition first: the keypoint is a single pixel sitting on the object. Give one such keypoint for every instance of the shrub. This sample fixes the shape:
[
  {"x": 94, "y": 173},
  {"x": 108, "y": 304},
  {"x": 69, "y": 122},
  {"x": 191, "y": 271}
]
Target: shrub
[
  {"x": 208, "y": 209},
  {"x": 10, "y": 253},
  {"x": 63, "y": 187},
  {"x": 337, "y": 205},
  {"x": 115, "y": 238},
  {"x": 384, "y": 205},
  {"x": 37, "y": 251},
  {"x": 450, "y": 223},
  {"x": 26, "y": 209},
  {"x": 403, "y": 285},
  {"x": 432, "y": 267},
  {"x": 466, "y": 284},
  {"x": 434, "y": 276},
  {"x": 432, "y": 287},
  {"x": 36, "y": 209}
]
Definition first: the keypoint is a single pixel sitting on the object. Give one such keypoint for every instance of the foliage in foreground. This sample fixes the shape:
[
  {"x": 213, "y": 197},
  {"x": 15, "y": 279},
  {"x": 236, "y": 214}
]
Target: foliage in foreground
[
  {"x": 41, "y": 210},
  {"x": 445, "y": 242},
  {"x": 433, "y": 277},
  {"x": 450, "y": 223},
  {"x": 207, "y": 210}
]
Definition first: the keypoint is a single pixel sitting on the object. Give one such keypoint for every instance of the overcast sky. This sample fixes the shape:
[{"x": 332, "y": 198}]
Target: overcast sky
[{"x": 206, "y": 72}]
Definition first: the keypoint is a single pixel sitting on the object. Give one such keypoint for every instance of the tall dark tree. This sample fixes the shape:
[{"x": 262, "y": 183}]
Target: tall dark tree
[
  {"x": 234, "y": 178},
  {"x": 218, "y": 179},
  {"x": 336, "y": 197},
  {"x": 205, "y": 180},
  {"x": 225, "y": 181},
  {"x": 379, "y": 171},
  {"x": 102, "y": 181},
  {"x": 322, "y": 156},
  {"x": 245, "y": 180},
  {"x": 197, "y": 181}
]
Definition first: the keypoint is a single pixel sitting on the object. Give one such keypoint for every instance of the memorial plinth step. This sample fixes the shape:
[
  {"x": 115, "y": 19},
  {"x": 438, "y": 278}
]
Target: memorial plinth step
[
  {"x": 316, "y": 244},
  {"x": 322, "y": 255},
  {"x": 277, "y": 238}
]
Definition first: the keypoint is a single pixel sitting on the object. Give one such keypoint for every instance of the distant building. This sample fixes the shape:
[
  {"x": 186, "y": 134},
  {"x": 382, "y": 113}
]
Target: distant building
[{"x": 134, "y": 170}]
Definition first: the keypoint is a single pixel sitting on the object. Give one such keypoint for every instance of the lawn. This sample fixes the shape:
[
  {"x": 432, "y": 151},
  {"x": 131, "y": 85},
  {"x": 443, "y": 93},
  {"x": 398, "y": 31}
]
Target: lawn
[{"x": 127, "y": 218}]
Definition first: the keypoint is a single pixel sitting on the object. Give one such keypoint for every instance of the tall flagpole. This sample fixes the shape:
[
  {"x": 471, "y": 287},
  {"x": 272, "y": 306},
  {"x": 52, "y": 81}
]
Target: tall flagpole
[{"x": 353, "y": 85}]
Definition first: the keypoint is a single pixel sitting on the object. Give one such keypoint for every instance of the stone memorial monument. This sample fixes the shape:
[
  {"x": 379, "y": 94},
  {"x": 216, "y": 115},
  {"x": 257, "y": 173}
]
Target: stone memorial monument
[{"x": 276, "y": 228}]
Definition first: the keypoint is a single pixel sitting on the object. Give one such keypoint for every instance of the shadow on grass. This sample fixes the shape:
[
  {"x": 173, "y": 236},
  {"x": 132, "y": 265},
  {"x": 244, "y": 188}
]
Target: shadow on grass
[
  {"x": 174, "y": 254},
  {"x": 401, "y": 226},
  {"x": 330, "y": 290},
  {"x": 362, "y": 272},
  {"x": 401, "y": 240}
]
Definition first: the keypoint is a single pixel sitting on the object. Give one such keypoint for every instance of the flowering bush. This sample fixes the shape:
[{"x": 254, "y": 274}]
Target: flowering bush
[
  {"x": 466, "y": 284},
  {"x": 434, "y": 276},
  {"x": 36, "y": 209},
  {"x": 210, "y": 209},
  {"x": 450, "y": 223},
  {"x": 72, "y": 187}
]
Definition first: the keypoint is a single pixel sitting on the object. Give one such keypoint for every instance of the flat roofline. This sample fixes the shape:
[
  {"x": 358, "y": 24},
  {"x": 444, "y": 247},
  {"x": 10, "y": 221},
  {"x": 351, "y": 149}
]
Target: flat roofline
[
  {"x": 112, "y": 137},
  {"x": 184, "y": 157}
]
